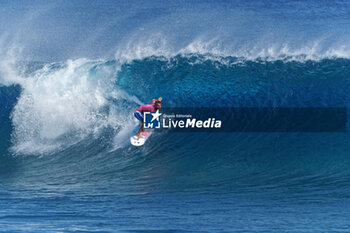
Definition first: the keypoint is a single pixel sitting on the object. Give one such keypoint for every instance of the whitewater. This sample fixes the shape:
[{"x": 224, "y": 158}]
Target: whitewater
[{"x": 73, "y": 73}]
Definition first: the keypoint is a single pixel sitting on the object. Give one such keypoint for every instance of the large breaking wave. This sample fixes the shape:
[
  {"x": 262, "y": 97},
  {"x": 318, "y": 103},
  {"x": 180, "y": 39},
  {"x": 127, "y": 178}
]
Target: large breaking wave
[{"x": 74, "y": 118}]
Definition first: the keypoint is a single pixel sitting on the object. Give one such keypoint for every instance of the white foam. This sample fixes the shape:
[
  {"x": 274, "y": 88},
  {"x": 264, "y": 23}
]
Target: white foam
[
  {"x": 9, "y": 74},
  {"x": 215, "y": 49},
  {"x": 61, "y": 104}
]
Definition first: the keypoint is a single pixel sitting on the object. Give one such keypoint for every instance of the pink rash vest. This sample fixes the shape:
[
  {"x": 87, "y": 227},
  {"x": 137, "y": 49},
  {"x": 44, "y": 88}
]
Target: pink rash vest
[{"x": 147, "y": 108}]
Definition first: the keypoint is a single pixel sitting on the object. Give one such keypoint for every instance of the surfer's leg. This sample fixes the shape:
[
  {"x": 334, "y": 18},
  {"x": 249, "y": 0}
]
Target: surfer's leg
[
  {"x": 139, "y": 116},
  {"x": 139, "y": 133}
]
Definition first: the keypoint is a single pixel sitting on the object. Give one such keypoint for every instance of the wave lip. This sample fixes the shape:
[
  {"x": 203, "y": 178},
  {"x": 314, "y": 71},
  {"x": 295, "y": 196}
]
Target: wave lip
[{"x": 214, "y": 48}]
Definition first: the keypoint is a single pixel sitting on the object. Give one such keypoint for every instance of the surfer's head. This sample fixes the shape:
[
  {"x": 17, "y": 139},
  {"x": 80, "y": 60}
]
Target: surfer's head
[{"x": 158, "y": 104}]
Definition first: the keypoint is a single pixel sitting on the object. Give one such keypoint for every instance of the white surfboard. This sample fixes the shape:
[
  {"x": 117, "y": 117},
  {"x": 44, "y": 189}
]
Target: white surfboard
[{"x": 136, "y": 141}]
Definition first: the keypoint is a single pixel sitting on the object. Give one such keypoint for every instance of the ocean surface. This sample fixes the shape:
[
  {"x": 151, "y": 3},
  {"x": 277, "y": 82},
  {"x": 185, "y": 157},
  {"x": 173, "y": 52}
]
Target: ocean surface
[{"x": 73, "y": 72}]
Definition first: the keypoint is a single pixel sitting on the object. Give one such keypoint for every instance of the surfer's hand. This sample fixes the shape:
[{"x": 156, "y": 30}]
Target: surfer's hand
[{"x": 160, "y": 98}]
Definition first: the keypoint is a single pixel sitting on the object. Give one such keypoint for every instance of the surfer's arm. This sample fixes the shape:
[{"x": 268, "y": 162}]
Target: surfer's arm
[{"x": 159, "y": 99}]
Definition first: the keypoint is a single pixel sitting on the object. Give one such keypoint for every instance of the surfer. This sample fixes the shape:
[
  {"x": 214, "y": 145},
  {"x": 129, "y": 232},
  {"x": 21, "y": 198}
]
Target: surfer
[{"x": 156, "y": 105}]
